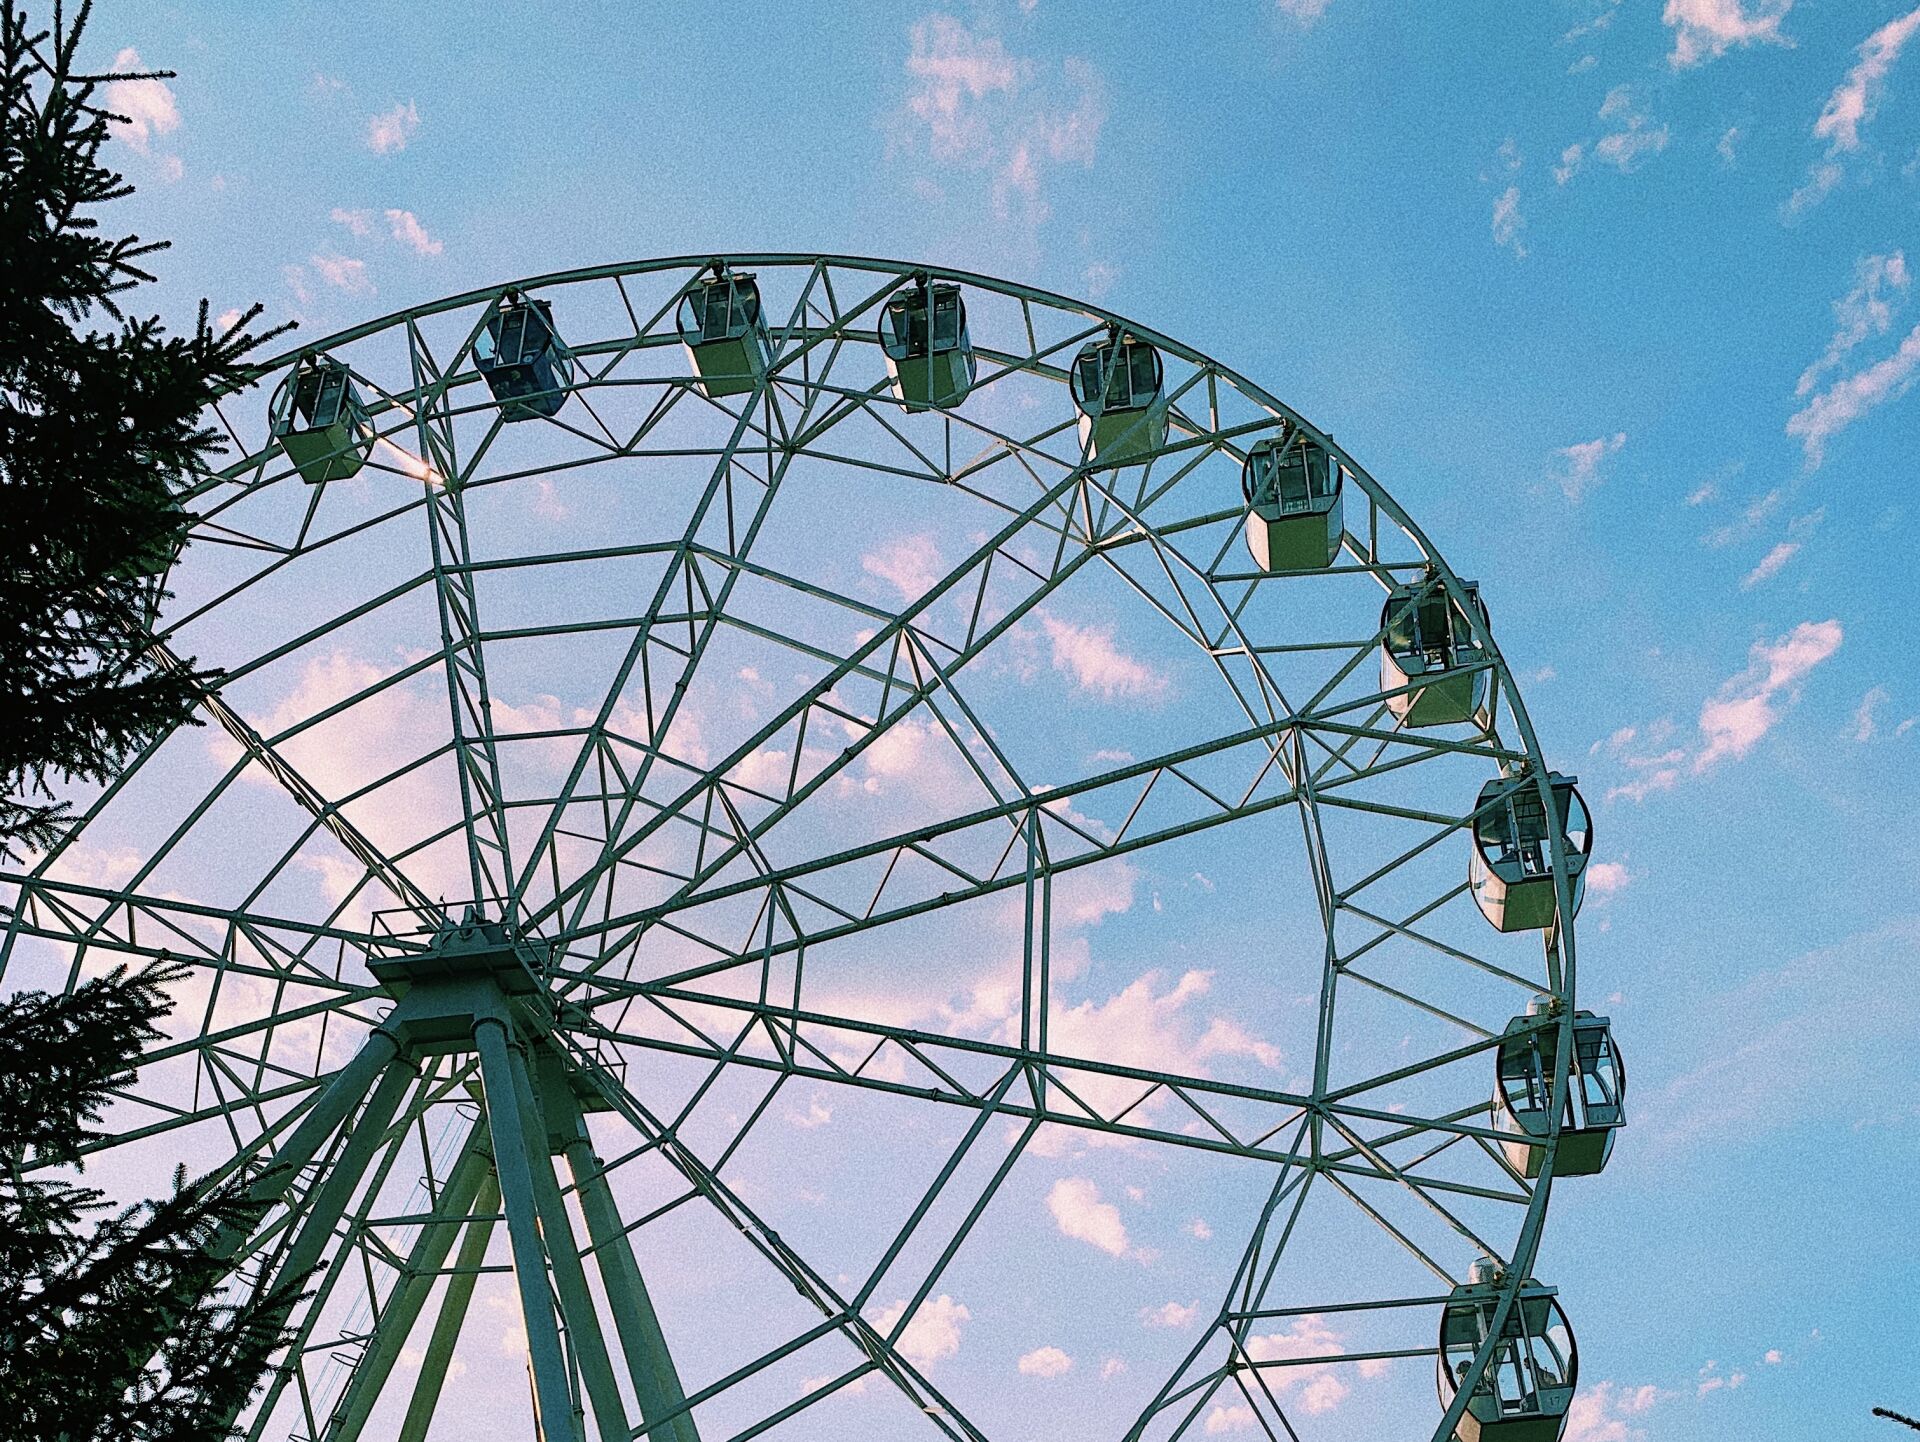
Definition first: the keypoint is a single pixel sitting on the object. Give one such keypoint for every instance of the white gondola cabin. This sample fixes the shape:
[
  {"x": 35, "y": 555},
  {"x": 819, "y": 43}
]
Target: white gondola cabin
[
  {"x": 526, "y": 364},
  {"x": 1292, "y": 486},
  {"x": 1511, "y": 873},
  {"x": 1119, "y": 387},
  {"x": 1527, "y": 1388},
  {"x": 930, "y": 358},
  {"x": 1523, "y": 1092},
  {"x": 1432, "y": 670},
  {"x": 319, "y": 420},
  {"x": 725, "y": 333}
]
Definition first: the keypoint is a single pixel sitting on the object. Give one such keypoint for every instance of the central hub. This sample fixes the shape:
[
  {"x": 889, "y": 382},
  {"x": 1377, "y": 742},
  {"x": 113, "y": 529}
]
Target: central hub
[{"x": 468, "y": 971}]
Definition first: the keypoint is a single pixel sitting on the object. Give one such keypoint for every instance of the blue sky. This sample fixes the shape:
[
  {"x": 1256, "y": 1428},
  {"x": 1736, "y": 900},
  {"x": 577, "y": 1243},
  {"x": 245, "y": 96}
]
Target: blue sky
[{"x": 1613, "y": 299}]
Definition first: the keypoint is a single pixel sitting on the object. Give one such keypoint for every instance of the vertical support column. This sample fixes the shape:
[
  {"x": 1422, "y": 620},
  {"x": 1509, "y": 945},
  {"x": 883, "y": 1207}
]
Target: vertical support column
[
  {"x": 453, "y": 1311},
  {"x": 570, "y": 1278},
  {"x": 656, "y": 1383},
  {"x": 410, "y": 1293},
  {"x": 553, "y": 1398}
]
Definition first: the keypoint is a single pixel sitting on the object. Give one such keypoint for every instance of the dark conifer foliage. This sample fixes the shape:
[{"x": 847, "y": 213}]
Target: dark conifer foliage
[
  {"x": 112, "y": 1327},
  {"x": 115, "y": 1324},
  {"x": 101, "y": 429}
]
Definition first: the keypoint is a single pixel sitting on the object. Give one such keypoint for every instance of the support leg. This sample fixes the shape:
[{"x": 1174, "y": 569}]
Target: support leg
[
  {"x": 656, "y": 1384},
  {"x": 569, "y": 1277},
  {"x": 453, "y": 1311},
  {"x": 553, "y": 1398},
  {"x": 410, "y": 1293}
]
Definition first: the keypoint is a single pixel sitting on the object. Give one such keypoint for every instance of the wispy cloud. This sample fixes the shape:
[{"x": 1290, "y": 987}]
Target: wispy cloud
[
  {"x": 976, "y": 106},
  {"x": 142, "y": 110},
  {"x": 1636, "y": 137},
  {"x": 1302, "y": 12},
  {"x": 1091, "y": 656},
  {"x": 1866, "y": 722},
  {"x": 911, "y": 565},
  {"x": 1847, "y": 400},
  {"x": 1771, "y": 564},
  {"x": 411, "y": 233},
  {"x": 1578, "y": 470},
  {"x": 1881, "y": 283},
  {"x": 1508, "y": 222},
  {"x": 390, "y": 130},
  {"x": 1749, "y": 705},
  {"x": 1705, "y": 30},
  {"x": 359, "y": 222},
  {"x": 1850, "y": 107},
  {"x": 343, "y": 273}
]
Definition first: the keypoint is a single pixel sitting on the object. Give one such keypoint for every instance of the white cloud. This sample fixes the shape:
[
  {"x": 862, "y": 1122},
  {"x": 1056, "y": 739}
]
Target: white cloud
[
  {"x": 343, "y": 273},
  {"x": 1881, "y": 283},
  {"x": 1627, "y": 147},
  {"x": 1771, "y": 564},
  {"x": 978, "y": 106},
  {"x": 1079, "y": 1213},
  {"x": 1090, "y": 655},
  {"x": 1848, "y": 399},
  {"x": 1866, "y": 723},
  {"x": 933, "y": 1334},
  {"x": 1321, "y": 1388},
  {"x": 1852, "y": 103},
  {"x": 1569, "y": 165},
  {"x": 1712, "y": 1379},
  {"x": 360, "y": 222},
  {"x": 1579, "y": 470},
  {"x": 143, "y": 108},
  {"x": 1226, "y": 1037},
  {"x": 1725, "y": 147},
  {"x": 1851, "y": 106},
  {"x": 1608, "y": 878},
  {"x": 953, "y": 68},
  {"x": 1170, "y": 1315},
  {"x": 817, "y": 1114},
  {"x": 1199, "y": 1229},
  {"x": 1706, "y": 29},
  {"x": 392, "y": 129},
  {"x": 1099, "y": 277},
  {"x": 1303, "y": 12},
  {"x": 910, "y": 565},
  {"x": 411, "y": 233},
  {"x": 1111, "y": 1368},
  {"x": 1045, "y": 1362},
  {"x": 1237, "y": 1418},
  {"x": 1750, "y": 704},
  {"x": 1508, "y": 222},
  {"x": 1773, "y": 1357},
  {"x": 1602, "y": 1413}
]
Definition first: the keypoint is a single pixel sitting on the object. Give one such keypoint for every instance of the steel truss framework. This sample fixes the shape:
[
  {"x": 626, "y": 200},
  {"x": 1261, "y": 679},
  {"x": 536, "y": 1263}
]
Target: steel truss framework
[{"x": 402, "y": 1076}]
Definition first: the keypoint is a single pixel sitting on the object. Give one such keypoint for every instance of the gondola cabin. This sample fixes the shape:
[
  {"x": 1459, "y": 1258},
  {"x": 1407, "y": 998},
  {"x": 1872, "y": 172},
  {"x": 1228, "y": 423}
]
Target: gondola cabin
[
  {"x": 923, "y": 332},
  {"x": 1292, "y": 487},
  {"x": 1119, "y": 388},
  {"x": 1511, "y": 873},
  {"x": 1523, "y": 1092},
  {"x": 725, "y": 333},
  {"x": 1432, "y": 671},
  {"x": 1527, "y": 1388},
  {"x": 526, "y": 364},
  {"x": 319, "y": 420}
]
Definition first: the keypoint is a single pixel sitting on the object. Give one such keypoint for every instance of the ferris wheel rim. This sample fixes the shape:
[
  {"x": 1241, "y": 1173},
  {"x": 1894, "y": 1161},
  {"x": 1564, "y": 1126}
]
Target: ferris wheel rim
[{"x": 1527, "y": 1245}]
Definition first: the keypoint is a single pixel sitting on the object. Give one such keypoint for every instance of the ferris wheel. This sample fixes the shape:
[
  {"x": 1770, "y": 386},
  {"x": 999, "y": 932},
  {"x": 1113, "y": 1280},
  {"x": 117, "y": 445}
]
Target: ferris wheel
[{"x": 694, "y": 744}]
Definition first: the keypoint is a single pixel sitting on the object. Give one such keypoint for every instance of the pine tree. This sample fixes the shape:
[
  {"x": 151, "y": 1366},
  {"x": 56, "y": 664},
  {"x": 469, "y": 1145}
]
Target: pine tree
[
  {"x": 115, "y": 1326},
  {"x": 101, "y": 430},
  {"x": 114, "y": 1331}
]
